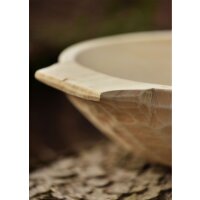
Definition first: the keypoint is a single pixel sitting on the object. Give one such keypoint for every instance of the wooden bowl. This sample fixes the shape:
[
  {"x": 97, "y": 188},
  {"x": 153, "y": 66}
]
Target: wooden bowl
[{"x": 122, "y": 85}]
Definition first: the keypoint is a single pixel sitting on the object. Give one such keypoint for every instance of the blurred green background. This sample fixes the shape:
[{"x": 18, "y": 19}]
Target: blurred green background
[{"x": 56, "y": 127}]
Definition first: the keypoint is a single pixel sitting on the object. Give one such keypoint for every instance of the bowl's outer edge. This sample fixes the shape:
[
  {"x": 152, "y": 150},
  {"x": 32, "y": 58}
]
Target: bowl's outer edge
[
  {"x": 79, "y": 81},
  {"x": 72, "y": 78}
]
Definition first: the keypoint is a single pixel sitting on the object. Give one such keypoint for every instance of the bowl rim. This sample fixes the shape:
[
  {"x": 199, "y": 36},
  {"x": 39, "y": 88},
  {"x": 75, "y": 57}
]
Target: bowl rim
[{"x": 72, "y": 77}]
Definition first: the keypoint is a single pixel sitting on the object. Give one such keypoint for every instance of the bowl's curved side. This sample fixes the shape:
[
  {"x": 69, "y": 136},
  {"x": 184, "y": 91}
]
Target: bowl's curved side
[{"x": 143, "y": 129}]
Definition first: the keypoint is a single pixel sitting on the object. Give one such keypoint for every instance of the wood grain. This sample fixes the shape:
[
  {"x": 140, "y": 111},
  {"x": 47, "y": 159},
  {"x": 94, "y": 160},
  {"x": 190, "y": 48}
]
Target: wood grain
[{"x": 139, "y": 128}]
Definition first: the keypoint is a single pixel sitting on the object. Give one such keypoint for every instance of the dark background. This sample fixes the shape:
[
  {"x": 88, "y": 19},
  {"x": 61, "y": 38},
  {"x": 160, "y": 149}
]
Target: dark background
[{"x": 56, "y": 127}]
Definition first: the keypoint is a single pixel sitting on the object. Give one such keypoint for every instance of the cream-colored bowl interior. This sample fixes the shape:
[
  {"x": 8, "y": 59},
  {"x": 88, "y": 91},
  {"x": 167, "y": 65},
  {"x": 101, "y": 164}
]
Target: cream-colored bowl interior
[{"x": 143, "y": 61}]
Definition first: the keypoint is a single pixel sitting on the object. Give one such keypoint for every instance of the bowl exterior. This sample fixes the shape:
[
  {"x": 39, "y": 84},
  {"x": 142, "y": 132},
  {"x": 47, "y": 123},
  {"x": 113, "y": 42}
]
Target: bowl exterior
[{"x": 144, "y": 130}]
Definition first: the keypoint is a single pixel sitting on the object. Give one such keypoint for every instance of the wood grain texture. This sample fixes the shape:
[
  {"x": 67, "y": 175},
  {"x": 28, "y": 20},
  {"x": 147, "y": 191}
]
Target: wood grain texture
[
  {"x": 143, "y": 129},
  {"x": 135, "y": 113}
]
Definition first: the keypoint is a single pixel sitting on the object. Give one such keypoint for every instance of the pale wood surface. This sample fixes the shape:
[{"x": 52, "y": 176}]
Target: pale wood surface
[
  {"x": 75, "y": 77},
  {"x": 138, "y": 127},
  {"x": 82, "y": 82}
]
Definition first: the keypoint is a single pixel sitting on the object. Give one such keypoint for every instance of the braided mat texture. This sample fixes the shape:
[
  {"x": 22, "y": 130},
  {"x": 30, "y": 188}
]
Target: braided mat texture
[{"x": 101, "y": 172}]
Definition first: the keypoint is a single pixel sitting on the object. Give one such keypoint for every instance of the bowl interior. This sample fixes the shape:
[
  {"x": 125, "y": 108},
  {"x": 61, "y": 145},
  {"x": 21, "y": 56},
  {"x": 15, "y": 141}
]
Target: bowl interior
[{"x": 144, "y": 61}]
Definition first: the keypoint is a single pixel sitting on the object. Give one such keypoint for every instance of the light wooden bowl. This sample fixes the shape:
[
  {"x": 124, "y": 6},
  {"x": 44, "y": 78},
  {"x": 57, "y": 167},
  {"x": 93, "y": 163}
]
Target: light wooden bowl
[{"x": 122, "y": 84}]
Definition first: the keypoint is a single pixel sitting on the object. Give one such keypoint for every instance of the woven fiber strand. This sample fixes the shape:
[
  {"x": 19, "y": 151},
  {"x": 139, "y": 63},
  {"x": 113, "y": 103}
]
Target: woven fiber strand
[{"x": 102, "y": 172}]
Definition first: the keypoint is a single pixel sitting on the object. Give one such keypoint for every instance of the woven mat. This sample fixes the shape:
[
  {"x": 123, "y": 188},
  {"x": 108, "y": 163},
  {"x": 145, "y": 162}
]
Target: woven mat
[{"x": 102, "y": 172}]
